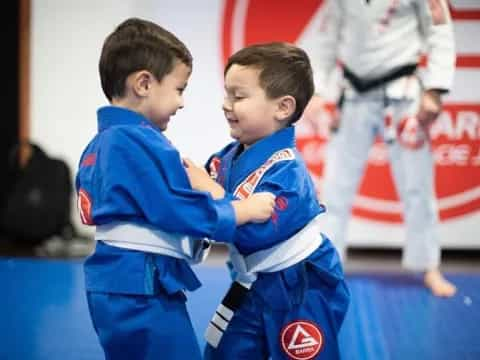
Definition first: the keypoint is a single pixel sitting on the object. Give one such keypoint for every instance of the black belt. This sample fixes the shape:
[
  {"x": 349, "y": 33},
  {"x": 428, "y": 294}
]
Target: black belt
[{"x": 363, "y": 85}]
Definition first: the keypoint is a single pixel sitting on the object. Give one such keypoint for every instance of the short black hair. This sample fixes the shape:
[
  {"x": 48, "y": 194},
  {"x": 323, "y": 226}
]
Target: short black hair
[
  {"x": 285, "y": 69},
  {"x": 136, "y": 45}
]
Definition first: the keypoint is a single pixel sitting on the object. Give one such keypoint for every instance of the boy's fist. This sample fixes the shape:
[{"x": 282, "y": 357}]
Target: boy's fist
[{"x": 261, "y": 206}]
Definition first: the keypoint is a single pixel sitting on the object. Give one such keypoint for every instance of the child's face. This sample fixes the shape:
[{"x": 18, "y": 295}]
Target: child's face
[
  {"x": 250, "y": 114},
  {"x": 166, "y": 96}
]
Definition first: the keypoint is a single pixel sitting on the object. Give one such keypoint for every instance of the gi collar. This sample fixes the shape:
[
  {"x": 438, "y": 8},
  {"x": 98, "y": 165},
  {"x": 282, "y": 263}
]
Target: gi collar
[
  {"x": 113, "y": 115},
  {"x": 256, "y": 155}
]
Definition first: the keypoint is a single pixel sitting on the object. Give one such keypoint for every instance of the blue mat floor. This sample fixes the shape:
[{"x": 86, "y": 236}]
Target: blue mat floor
[{"x": 44, "y": 316}]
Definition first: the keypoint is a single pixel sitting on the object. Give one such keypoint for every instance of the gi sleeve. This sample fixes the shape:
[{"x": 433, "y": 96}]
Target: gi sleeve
[
  {"x": 323, "y": 54},
  {"x": 213, "y": 166},
  {"x": 144, "y": 180},
  {"x": 295, "y": 207},
  {"x": 436, "y": 27}
]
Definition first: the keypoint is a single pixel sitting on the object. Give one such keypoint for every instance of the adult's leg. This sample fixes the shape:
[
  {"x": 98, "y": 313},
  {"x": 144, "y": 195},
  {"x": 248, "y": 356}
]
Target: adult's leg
[
  {"x": 143, "y": 327},
  {"x": 346, "y": 156},
  {"x": 413, "y": 172}
]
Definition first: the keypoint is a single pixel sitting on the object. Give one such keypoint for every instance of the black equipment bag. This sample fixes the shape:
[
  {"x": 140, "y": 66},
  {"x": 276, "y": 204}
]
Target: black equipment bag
[{"x": 39, "y": 204}]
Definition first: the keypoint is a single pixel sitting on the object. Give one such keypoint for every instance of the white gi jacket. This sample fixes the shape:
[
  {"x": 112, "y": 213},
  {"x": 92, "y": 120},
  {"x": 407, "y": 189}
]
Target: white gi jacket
[{"x": 372, "y": 38}]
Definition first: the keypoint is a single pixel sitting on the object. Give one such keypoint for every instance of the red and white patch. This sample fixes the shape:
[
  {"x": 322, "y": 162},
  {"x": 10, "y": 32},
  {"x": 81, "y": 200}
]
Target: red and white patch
[
  {"x": 247, "y": 186},
  {"x": 89, "y": 160},
  {"x": 301, "y": 340},
  {"x": 84, "y": 207},
  {"x": 214, "y": 167}
]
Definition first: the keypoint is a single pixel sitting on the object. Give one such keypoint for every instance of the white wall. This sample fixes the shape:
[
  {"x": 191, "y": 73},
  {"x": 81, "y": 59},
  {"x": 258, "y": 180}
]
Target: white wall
[
  {"x": 66, "y": 40},
  {"x": 67, "y": 36}
]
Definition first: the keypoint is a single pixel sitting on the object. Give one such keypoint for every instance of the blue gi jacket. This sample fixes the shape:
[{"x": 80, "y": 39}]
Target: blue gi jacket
[
  {"x": 130, "y": 172},
  {"x": 296, "y": 205},
  {"x": 287, "y": 178}
]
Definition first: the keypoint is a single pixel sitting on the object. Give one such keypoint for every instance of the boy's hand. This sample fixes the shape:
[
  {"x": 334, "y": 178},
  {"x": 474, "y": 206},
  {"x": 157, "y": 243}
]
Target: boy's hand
[
  {"x": 200, "y": 180},
  {"x": 262, "y": 205},
  {"x": 257, "y": 208}
]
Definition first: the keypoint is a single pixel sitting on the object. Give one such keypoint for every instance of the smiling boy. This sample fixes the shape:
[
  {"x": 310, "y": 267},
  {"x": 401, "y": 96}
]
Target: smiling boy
[{"x": 289, "y": 297}]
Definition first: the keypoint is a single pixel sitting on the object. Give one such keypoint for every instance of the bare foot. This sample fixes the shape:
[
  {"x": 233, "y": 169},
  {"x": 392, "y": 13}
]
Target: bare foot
[{"x": 439, "y": 286}]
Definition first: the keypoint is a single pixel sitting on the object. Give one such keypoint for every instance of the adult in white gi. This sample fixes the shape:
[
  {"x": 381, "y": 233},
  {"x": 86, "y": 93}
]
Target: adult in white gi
[{"x": 379, "y": 44}]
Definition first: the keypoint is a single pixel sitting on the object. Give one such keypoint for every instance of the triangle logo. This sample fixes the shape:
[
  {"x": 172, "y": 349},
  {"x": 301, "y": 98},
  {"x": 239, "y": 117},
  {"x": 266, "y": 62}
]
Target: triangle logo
[{"x": 301, "y": 340}]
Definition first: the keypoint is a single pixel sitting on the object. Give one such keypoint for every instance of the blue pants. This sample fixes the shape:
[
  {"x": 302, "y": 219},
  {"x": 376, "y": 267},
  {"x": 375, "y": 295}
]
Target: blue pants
[
  {"x": 304, "y": 325},
  {"x": 143, "y": 327}
]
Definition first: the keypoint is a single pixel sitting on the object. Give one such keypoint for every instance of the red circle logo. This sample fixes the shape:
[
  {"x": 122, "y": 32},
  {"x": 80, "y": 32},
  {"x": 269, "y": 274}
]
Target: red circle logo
[
  {"x": 301, "y": 340},
  {"x": 454, "y": 137}
]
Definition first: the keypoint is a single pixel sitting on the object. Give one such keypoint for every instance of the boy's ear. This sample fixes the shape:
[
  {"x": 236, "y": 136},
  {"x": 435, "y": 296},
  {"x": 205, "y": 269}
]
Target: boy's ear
[
  {"x": 285, "y": 107},
  {"x": 142, "y": 82}
]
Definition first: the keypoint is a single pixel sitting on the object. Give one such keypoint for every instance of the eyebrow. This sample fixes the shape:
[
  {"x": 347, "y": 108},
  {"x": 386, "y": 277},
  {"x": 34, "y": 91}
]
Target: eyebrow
[{"x": 233, "y": 87}]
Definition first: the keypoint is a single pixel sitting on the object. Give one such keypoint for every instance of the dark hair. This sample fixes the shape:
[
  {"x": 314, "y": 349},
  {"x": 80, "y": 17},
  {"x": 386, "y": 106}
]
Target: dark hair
[
  {"x": 136, "y": 45},
  {"x": 284, "y": 70}
]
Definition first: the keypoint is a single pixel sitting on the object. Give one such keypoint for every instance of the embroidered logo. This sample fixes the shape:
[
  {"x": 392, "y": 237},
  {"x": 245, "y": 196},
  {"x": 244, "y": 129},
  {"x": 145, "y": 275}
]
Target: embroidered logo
[
  {"x": 214, "y": 167},
  {"x": 301, "y": 340},
  {"x": 85, "y": 207},
  {"x": 89, "y": 160},
  {"x": 281, "y": 203},
  {"x": 247, "y": 186}
]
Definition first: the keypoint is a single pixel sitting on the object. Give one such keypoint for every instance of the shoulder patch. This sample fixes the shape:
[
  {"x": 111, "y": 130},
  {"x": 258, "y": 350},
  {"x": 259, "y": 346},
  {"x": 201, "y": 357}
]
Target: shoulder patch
[
  {"x": 85, "y": 207},
  {"x": 89, "y": 160}
]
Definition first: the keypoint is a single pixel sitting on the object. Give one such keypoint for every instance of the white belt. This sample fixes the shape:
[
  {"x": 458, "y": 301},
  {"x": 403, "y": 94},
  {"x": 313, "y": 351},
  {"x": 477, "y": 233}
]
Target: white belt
[
  {"x": 145, "y": 238},
  {"x": 278, "y": 257}
]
